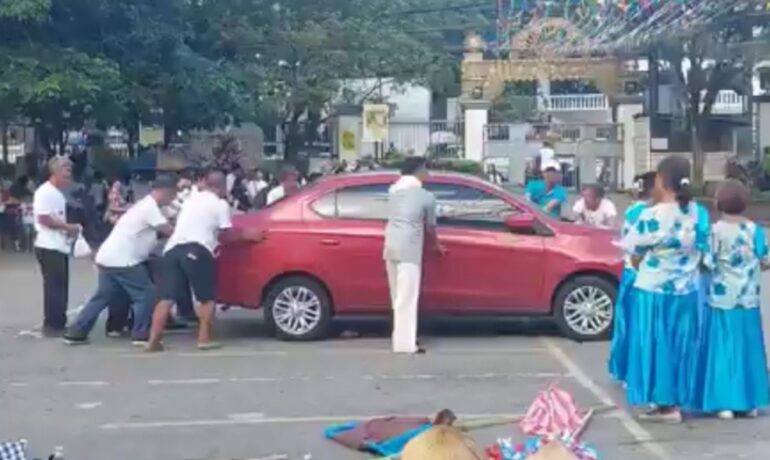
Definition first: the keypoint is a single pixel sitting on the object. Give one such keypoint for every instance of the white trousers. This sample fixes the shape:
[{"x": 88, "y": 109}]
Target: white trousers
[{"x": 404, "y": 282}]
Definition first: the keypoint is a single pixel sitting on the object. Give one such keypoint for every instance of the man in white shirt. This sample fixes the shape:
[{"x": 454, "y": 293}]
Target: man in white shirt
[
  {"x": 594, "y": 209},
  {"x": 255, "y": 184},
  {"x": 547, "y": 154},
  {"x": 189, "y": 258},
  {"x": 53, "y": 244},
  {"x": 288, "y": 177},
  {"x": 121, "y": 260}
]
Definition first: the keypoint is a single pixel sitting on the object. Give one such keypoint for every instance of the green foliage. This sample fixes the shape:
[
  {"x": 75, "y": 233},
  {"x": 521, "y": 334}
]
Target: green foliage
[
  {"x": 66, "y": 64},
  {"x": 470, "y": 167},
  {"x": 24, "y": 9}
]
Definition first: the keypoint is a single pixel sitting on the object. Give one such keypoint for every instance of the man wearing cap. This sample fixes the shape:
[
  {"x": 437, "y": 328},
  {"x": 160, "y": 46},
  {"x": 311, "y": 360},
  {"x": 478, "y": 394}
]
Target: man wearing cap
[
  {"x": 121, "y": 260},
  {"x": 547, "y": 193}
]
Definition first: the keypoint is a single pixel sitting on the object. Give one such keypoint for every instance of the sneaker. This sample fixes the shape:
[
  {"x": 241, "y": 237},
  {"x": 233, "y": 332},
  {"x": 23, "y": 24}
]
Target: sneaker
[
  {"x": 114, "y": 334},
  {"x": 75, "y": 340},
  {"x": 661, "y": 416},
  {"x": 751, "y": 414},
  {"x": 139, "y": 343},
  {"x": 726, "y": 415},
  {"x": 208, "y": 346}
]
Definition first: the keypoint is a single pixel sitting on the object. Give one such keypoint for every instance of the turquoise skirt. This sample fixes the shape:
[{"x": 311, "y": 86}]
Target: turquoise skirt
[
  {"x": 732, "y": 364},
  {"x": 662, "y": 348},
  {"x": 618, "y": 362}
]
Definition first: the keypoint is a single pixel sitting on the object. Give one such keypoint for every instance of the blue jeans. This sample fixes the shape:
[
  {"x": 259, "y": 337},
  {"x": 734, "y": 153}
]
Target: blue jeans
[{"x": 134, "y": 281}]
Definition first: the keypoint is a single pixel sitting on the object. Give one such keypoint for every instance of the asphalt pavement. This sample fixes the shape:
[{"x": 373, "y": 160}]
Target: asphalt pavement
[{"x": 258, "y": 398}]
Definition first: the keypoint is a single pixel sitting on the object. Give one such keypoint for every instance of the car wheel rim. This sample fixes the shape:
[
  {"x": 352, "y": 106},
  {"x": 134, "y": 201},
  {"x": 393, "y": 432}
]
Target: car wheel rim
[
  {"x": 588, "y": 310},
  {"x": 297, "y": 310}
]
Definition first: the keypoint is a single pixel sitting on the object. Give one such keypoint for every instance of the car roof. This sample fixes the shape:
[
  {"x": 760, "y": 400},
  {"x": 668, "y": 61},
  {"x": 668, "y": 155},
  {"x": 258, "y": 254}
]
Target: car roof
[{"x": 383, "y": 174}]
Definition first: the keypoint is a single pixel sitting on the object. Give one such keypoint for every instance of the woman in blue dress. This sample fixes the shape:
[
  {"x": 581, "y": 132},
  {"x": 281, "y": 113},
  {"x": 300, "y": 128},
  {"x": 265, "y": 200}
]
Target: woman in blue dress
[
  {"x": 618, "y": 362},
  {"x": 732, "y": 374},
  {"x": 663, "y": 337}
]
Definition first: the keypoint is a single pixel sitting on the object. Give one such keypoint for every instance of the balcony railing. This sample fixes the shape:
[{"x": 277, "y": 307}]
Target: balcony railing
[
  {"x": 576, "y": 102},
  {"x": 728, "y": 102}
]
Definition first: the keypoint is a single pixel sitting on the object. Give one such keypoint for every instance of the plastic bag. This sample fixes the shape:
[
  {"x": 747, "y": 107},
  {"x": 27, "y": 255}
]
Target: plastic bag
[{"x": 81, "y": 249}]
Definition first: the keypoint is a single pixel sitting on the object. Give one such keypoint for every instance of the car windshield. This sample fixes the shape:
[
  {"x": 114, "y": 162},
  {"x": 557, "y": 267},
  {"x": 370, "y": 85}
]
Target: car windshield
[{"x": 520, "y": 198}]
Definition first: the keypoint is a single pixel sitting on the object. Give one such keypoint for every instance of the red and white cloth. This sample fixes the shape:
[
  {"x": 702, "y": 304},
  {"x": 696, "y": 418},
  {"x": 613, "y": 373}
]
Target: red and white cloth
[{"x": 553, "y": 413}]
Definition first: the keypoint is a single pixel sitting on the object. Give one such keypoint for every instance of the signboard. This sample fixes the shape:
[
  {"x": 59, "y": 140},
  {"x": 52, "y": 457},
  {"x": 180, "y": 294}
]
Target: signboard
[{"x": 376, "y": 122}]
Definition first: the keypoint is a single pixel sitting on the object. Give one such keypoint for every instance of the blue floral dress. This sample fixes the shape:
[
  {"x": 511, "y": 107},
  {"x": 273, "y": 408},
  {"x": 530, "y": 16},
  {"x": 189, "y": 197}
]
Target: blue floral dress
[
  {"x": 664, "y": 319},
  {"x": 619, "y": 347},
  {"x": 732, "y": 370}
]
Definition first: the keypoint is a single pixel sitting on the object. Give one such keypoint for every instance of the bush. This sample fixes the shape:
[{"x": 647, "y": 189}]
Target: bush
[{"x": 459, "y": 166}]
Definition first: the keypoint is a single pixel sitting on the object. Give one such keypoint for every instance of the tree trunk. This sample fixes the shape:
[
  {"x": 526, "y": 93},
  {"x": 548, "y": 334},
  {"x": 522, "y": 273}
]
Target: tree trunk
[
  {"x": 698, "y": 155},
  {"x": 4, "y": 136},
  {"x": 293, "y": 139},
  {"x": 133, "y": 137}
]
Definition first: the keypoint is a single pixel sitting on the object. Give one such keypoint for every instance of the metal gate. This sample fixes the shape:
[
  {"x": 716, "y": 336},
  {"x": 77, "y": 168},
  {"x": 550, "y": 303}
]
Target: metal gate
[{"x": 589, "y": 153}]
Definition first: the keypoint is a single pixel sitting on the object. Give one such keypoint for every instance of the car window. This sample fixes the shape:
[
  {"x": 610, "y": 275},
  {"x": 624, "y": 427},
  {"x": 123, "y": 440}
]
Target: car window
[
  {"x": 461, "y": 205},
  {"x": 368, "y": 202}
]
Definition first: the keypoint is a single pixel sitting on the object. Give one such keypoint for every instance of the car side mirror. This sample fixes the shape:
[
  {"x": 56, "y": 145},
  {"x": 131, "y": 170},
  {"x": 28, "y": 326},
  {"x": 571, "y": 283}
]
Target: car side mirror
[{"x": 522, "y": 222}]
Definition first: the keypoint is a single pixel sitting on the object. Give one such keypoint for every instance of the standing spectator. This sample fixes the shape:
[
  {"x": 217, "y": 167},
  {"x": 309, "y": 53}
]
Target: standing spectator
[
  {"x": 98, "y": 192},
  {"x": 121, "y": 266},
  {"x": 189, "y": 258},
  {"x": 668, "y": 243},
  {"x": 255, "y": 184},
  {"x": 547, "y": 193},
  {"x": 732, "y": 378},
  {"x": 117, "y": 203},
  {"x": 412, "y": 216},
  {"x": 52, "y": 244},
  {"x": 288, "y": 178},
  {"x": 594, "y": 209},
  {"x": 239, "y": 196},
  {"x": 618, "y": 362}
]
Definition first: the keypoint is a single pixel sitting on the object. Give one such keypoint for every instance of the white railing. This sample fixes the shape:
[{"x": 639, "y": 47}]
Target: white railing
[
  {"x": 728, "y": 102},
  {"x": 576, "y": 102}
]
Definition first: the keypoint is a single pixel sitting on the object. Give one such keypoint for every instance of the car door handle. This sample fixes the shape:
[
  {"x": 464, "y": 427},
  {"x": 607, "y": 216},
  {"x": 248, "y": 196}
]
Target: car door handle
[{"x": 330, "y": 242}]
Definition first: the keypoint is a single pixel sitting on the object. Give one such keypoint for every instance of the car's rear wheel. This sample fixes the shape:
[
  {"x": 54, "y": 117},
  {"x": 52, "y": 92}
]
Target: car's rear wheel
[
  {"x": 584, "y": 308},
  {"x": 298, "y": 308}
]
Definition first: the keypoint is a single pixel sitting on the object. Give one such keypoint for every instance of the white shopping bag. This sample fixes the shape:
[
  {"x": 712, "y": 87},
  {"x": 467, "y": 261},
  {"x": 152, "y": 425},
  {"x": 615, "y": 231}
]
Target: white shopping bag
[{"x": 81, "y": 249}]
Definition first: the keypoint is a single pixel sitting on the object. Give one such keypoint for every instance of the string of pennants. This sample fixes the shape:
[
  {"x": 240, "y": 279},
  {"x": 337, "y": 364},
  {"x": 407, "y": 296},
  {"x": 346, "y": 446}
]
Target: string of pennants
[{"x": 606, "y": 26}]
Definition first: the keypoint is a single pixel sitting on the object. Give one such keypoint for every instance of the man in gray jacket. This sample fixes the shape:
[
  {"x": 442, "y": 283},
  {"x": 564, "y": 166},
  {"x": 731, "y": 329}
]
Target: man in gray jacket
[{"x": 411, "y": 219}]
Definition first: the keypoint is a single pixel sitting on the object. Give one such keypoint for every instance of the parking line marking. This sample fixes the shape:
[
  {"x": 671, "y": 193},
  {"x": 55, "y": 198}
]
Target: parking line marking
[
  {"x": 240, "y": 419},
  {"x": 205, "y": 381},
  {"x": 72, "y": 383},
  {"x": 315, "y": 378},
  {"x": 639, "y": 433},
  {"x": 235, "y": 353}
]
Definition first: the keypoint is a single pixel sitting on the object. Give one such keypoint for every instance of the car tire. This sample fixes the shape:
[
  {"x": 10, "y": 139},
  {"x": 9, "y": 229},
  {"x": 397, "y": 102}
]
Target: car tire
[
  {"x": 585, "y": 287},
  {"x": 314, "y": 299}
]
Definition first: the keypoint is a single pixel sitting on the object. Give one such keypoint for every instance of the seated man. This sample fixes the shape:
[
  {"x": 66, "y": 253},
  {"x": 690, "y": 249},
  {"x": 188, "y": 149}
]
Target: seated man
[{"x": 547, "y": 193}]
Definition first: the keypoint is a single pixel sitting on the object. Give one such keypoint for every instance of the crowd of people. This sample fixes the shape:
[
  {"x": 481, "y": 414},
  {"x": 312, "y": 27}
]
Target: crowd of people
[
  {"x": 688, "y": 332},
  {"x": 687, "y": 326},
  {"x": 155, "y": 247}
]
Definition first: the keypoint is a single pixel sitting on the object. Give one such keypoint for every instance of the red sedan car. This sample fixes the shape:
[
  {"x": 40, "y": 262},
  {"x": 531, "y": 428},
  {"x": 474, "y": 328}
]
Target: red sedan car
[{"x": 323, "y": 257}]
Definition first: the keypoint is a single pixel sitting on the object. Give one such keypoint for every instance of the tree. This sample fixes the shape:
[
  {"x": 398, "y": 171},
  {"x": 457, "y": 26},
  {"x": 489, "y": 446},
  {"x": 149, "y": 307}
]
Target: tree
[
  {"x": 24, "y": 9},
  {"x": 701, "y": 66},
  {"x": 299, "y": 53}
]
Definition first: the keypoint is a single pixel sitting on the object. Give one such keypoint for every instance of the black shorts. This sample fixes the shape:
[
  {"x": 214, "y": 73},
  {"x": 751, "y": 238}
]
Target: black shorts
[{"x": 188, "y": 265}]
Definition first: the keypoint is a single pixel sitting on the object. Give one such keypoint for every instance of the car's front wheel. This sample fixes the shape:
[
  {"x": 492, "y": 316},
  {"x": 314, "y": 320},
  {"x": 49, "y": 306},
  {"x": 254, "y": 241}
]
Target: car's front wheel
[
  {"x": 584, "y": 308},
  {"x": 298, "y": 308}
]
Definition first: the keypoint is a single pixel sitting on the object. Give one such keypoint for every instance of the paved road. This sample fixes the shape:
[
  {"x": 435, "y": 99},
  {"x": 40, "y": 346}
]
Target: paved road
[{"x": 258, "y": 397}]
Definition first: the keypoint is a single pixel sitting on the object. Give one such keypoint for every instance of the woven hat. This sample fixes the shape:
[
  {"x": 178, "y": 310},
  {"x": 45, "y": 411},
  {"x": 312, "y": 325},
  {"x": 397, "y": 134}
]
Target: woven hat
[{"x": 441, "y": 442}]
